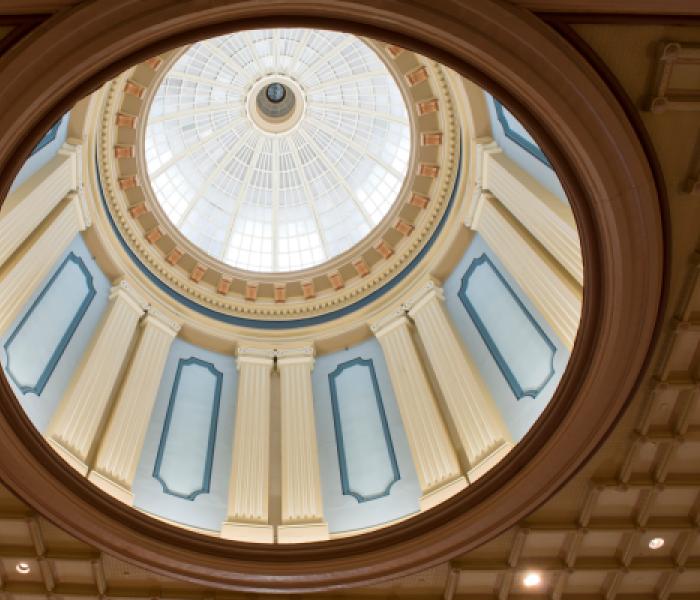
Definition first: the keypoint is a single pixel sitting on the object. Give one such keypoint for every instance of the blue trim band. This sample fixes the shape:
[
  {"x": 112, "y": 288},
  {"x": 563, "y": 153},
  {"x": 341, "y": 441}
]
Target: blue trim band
[
  {"x": 517, "y": 138},
  {"x": 292, "y": 323},
  {"x": 489, "y": 341},
  {"x": 49, "y": 137},
  {"x": 206, "y": 479},
  {"x": 38, "y": 386},
  {"x": 342, "y": 459}
]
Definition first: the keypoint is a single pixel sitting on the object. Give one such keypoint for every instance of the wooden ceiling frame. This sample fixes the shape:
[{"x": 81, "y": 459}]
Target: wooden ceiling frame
[{"x": 599, "y": 158}]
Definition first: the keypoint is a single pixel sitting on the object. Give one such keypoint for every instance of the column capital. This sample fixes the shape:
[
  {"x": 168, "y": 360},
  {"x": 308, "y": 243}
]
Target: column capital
[
  {"x": 125, "y": 291},
  {"x": 295, "y": 356},
  {"x": 430, "y": 290},
  {"x": 77, "y": 199},
  {"x": 389, "y": 322},
  {"x": 252, "y": 355},
  {"x": 157, "y": 317}
]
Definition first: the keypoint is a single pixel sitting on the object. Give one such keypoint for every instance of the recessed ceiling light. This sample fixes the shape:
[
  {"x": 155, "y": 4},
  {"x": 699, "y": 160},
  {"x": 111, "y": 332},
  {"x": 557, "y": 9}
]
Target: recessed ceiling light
[
  {"x": 656, "y": 543},
  {"x": 23, "y": 568},
  {"x": 532, "y": 579}
]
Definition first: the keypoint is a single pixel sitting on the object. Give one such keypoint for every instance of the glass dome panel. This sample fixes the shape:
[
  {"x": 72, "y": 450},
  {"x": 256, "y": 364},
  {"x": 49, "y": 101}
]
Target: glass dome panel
[{"x": 277, "y": 193}]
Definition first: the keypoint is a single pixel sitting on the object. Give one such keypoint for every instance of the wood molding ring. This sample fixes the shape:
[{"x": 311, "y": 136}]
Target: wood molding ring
[{"x": 598, "y": 157}]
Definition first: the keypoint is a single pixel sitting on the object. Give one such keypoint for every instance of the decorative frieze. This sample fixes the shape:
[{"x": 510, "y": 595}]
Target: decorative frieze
[
  {"x": 154, "y": 235},
  {"x": 133, "y": 88},
  {"x": 417, "y": 76},
  {"x": 174, "y": 256},
  {"x": 138, "y": 209},
  {"x": 428, "y": 106},
  {"x": 426, "y": 170},
  {"x": 224, "y": 284},
  {"x": 126, "y": 120},
  {"x": 125, "y": 151},
  {"x": 198, "y": 272},
  {"x": 419, "y": 200}
]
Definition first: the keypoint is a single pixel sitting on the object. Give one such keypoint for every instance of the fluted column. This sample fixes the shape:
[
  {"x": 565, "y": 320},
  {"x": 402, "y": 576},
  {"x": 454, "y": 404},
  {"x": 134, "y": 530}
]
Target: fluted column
[
  {"x": 549, "y": 220},
  {"x": 551, "y": 289},
  {"x": 302, "y": 504},
  {"x": 247, "y": 513},
  {"x": 20, "y": 280},
  {"x": 27, "y": 206},
  {"x": 85, "y": 405},
  {"x": 437, "y": 466},
  {"x": 120, "y": 447},
  {"x": 476, "y": 420}
]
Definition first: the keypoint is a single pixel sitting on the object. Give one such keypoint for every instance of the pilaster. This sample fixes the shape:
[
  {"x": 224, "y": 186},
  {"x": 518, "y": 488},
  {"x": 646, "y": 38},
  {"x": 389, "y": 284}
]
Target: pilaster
[
  {"x": 549, "y": 220},
  {"x": 86, "y": 403},
  {"x": 551, "y": 289},
  {"x": 436, "y": 462},
  {"x": 27, "y": 206},
  {"x": 474, "y": 416},
  {"x": 121, "y": 445},
  {"x": 247, "y": 511},
  {"x": 21, "y": 279},
  {"x": 302, "y": 504}
]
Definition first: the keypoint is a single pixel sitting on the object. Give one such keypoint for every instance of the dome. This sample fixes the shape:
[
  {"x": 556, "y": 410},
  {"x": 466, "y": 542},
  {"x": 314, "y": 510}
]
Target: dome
[{"x": 277, "y": 150}]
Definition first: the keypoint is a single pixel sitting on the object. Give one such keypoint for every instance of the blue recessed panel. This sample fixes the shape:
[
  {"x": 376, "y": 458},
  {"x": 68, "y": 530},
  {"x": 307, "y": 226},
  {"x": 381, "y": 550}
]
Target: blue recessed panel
[
  {"x": 517, "y": 134},
  {"x": 36, "y": 345},
  {"x": 186, "y": 450},
  {"x": 521, "y": 349},
  {"x": 49, "y": 137},
  {"x": 368, "y": 466}
]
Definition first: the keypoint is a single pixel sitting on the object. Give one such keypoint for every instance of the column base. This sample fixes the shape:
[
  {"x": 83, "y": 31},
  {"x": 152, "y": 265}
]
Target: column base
[
  {"x": 69, "y": 457},
  {"x": 302, "y": 532},
  {"x": 487, "y": 463},
  {"x": 445, "y": 491},
  {"x": 258, "y": 533},
  {"x": 112, "y": 488}
]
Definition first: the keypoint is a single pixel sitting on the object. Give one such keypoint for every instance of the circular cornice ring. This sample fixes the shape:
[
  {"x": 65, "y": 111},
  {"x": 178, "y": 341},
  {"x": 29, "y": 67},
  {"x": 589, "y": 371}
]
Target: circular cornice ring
[
  {"x": 286, "y": 300},
  {"x": 598, "y": 158}
]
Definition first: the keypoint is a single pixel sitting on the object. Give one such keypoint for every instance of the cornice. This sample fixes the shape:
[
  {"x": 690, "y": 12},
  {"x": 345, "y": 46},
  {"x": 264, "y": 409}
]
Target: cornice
[{"x": 348, "y": 278}]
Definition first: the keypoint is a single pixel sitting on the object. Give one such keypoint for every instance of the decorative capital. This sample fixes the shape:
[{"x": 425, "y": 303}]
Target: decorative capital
[
  {"x": 430, "y": 290},
  {"x": 251, "y": 355},
  {"x": 123, "y": 290},
  {"x": 295, "y": 356},
  {"x": 389, "y": 322},
  {"x": 161, "y": 319}
]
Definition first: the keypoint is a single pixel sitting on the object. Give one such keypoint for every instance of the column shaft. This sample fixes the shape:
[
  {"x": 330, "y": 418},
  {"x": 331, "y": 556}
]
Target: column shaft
[
  {"x": 247, "y": 515},
  {"x": 120, "y": 447},
  {"x": 473, "y": 413},
  {"x": 302, "y": 504},
  {"x": 27, "y": 206},
  {"x": 21, "y": 279},
  {"x": 434, "y": 457},
  {"x": 552, "y": 290},
  {"x": 85, "y": 405}
]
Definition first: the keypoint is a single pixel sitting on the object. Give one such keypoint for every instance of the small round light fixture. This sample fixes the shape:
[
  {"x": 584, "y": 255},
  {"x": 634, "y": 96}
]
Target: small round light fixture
[
  {"x": 23, "y": 568},
  {"x": 656, "y": 543},
  {"x": 532, "y": 579}
]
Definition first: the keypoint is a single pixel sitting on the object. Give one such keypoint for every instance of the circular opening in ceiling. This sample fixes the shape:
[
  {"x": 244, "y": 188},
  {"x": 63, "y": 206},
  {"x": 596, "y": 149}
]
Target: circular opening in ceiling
[
  {"x": 275, "y": 92},
  {"x": 277, "y": 150}
]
